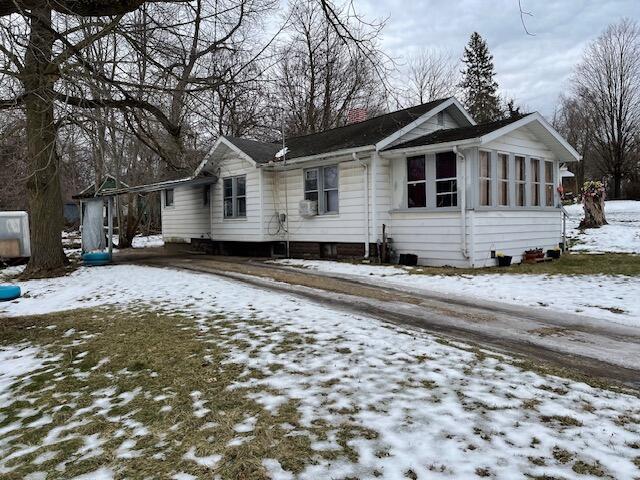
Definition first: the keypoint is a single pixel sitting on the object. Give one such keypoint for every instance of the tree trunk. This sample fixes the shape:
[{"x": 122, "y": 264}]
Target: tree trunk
[
  {"x": 593, "y": 212},
  {"x": 617, "y": 185},
  {"x": 43, "y": 185}
]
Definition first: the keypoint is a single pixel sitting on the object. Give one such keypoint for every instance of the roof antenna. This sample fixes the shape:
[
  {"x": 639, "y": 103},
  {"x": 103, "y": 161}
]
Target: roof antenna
[{"x": 283, "y": 154}]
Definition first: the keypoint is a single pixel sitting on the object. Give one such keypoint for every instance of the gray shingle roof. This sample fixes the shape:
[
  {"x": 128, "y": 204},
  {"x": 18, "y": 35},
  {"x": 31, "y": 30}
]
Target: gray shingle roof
[{"x": 354, "y": 135}]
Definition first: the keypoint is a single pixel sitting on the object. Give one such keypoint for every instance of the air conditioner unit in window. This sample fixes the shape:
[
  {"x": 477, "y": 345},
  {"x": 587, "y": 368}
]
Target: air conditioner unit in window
[{"x": 308, "y": 208}]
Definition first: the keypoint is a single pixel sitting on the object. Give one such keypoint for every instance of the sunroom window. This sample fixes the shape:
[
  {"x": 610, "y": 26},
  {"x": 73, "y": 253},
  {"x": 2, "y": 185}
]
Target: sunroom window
[
  {"x": 503, "y": 179},
  {"x": 446, "y": 180},
  {"x": 416, "y": 182},
  {"x": 535, "y": 183},
  {"x": 321, "y": 185},
  {"x": 485, "y": 178},
  {"x": 548, "y": 184},
  {"x": 520, "y": 181}
]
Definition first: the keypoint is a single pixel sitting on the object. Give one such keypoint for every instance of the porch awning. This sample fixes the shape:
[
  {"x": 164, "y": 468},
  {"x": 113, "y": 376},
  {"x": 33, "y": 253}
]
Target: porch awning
[{"x": 154, "y": 187}]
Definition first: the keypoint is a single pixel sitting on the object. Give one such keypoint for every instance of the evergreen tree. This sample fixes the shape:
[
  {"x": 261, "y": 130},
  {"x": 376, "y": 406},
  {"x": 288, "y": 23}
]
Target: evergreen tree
[{"x": 480, "y": 89}]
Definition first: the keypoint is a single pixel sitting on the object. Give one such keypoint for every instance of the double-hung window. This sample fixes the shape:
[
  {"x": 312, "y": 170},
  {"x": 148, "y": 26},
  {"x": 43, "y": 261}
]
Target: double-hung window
[
  {"x": 416, "y": 182},
  {"x": 520, "y": 181},
  {"x": 168, "y": 198},
  {"x": 485, "y": 178},
  {"x": 503, "y": 179},
  {"x": 548, "y": 184},
  {"x": 321, "y": 185},
  {"x": 535, "y": 182},
  {"x": 235, "y": 196},
  {"x": 446, "y": 180}
]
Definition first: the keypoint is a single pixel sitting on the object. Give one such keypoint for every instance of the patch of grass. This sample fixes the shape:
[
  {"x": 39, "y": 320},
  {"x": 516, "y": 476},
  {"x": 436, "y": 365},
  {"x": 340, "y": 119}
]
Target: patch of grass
[
  {"x": 568, "y": 264},
  {"x": 155, "y": 365},
  {"x": 584, "y": 468},
  {"x": 561, "y": 455},
  {"x": 562, "y": 420}
]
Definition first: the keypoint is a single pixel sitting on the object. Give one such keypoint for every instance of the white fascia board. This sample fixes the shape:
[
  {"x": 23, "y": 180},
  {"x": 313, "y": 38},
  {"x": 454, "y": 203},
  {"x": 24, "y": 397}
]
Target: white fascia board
[
  {"x": 321, "y": 156},
  {"x": 228, "y": 144},
  {"x": 534, "y": 117},
  {"x": 436, "y": 147}
]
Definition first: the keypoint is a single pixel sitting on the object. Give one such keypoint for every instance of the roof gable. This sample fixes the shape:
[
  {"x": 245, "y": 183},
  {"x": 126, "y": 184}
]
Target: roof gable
[{"x": 488, "y": 132}]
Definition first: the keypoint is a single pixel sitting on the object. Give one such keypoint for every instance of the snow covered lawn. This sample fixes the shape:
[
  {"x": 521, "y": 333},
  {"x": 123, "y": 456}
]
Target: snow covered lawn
[
  {"x": 610, "y": 297},
  {"x": 622, "y": 235},
  {"x": 181, "y": 375}
]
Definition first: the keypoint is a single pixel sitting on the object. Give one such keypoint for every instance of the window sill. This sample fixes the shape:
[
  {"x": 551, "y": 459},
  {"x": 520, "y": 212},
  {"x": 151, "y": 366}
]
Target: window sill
[
  {"x": 425, "y": 210},
  {"x": 518, "y": 209},
  {"x": 234, "y": 219}
]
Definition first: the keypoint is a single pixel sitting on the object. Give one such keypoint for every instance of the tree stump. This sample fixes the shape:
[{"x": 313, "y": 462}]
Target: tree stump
[{"x": 593, "y": 203}]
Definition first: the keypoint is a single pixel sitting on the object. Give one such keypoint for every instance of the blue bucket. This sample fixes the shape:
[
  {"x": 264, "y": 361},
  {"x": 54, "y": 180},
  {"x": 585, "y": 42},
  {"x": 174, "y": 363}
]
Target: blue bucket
[
  {"x": 94, "y": 259},
  {"x": 9, "y": 292}
]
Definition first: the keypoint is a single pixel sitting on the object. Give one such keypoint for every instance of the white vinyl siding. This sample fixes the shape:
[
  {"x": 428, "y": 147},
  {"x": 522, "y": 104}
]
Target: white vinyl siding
[
  {"x": 347, "y": 225},
  {"x": 187, "y": 217},
  {"x": 514, "y": 231},
  {"x": 249, "y": 227}
]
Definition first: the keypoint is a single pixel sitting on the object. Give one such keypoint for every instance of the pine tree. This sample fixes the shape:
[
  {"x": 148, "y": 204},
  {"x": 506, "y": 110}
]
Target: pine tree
[{"x": 480, "y": 89}]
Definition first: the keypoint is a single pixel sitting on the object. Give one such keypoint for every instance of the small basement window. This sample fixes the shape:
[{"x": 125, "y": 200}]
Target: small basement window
[
  {"x": 446, "y": 180},
  {"x": 168, "y": 197},
  {"x": 235, "y": 196},
  {"x": 548, "y": 184},
  {"x": 321, "y": 185},
  {"x": 520, "y": 181},
  {"x": 503, "y": 179},
  {"x": 485, "y": 178},
  {"x": 416, "y": 182}
]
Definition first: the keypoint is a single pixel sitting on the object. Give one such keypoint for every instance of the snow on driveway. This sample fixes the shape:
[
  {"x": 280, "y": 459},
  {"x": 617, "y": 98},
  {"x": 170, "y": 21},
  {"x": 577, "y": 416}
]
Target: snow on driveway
[
  {"x": 621, "y": 235},
  {"x": 610, "y": 297},
  {"x": 426, "y": 408}
]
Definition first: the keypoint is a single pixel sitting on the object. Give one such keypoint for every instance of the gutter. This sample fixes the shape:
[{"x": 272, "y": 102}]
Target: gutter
[
  {"x": 365, "y": 181},
  {"x": 463, "y": 203},
  {"x": 292, "y": 163}
]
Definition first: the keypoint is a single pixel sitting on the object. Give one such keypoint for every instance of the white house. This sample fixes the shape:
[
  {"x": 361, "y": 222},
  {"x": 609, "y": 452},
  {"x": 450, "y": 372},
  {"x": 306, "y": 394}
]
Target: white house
[{"x": 446, "y": 189}]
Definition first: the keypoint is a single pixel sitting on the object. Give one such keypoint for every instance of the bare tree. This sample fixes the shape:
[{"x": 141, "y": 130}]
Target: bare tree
[
  {"x": 607, "y": 81},
  {"x": 431, "y": 74},
  {"x": 319, "y": 78}
]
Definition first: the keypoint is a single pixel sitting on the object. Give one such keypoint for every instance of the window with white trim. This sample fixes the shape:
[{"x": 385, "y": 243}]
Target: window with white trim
[
  {"x": 548, "y": 184},
  {"x": 416, "y": 182},
  {"x": 321, "y": 185},
  {"x": 521, "y": 179},
  {"x": 446, "y": 180},
  {"x": 168, "y": 197},
  {"x": 485, "y": 178},
  {"x": 235, "y": 196},
  {"x": 535, "y": 182},
  {"x": 503, "y": 179}
]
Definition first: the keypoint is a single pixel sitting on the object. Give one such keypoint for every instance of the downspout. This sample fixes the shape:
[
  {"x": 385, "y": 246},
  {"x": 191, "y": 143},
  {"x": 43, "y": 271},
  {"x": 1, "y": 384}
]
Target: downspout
[
  {"x": 365, "y": 175},
  {"x": 463, "y": 203}
]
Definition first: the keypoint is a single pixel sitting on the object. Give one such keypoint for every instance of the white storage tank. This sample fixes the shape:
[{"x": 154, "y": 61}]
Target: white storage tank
[{"x": 14, "y": 235}]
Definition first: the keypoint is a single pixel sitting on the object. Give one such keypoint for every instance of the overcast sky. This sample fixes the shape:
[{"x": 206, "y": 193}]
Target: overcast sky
[{"x": 533, "y": 69}]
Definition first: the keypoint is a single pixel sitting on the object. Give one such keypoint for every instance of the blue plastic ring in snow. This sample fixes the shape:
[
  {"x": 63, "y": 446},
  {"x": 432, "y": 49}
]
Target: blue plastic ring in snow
[
  {"x": 96, "y": 258},
  {"x": 9, "y": 292}
]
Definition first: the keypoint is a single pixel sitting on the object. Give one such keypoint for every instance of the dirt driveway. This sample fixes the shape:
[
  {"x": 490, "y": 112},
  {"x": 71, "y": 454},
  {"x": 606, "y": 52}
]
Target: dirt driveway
[{"x": 571, "y": 345}]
